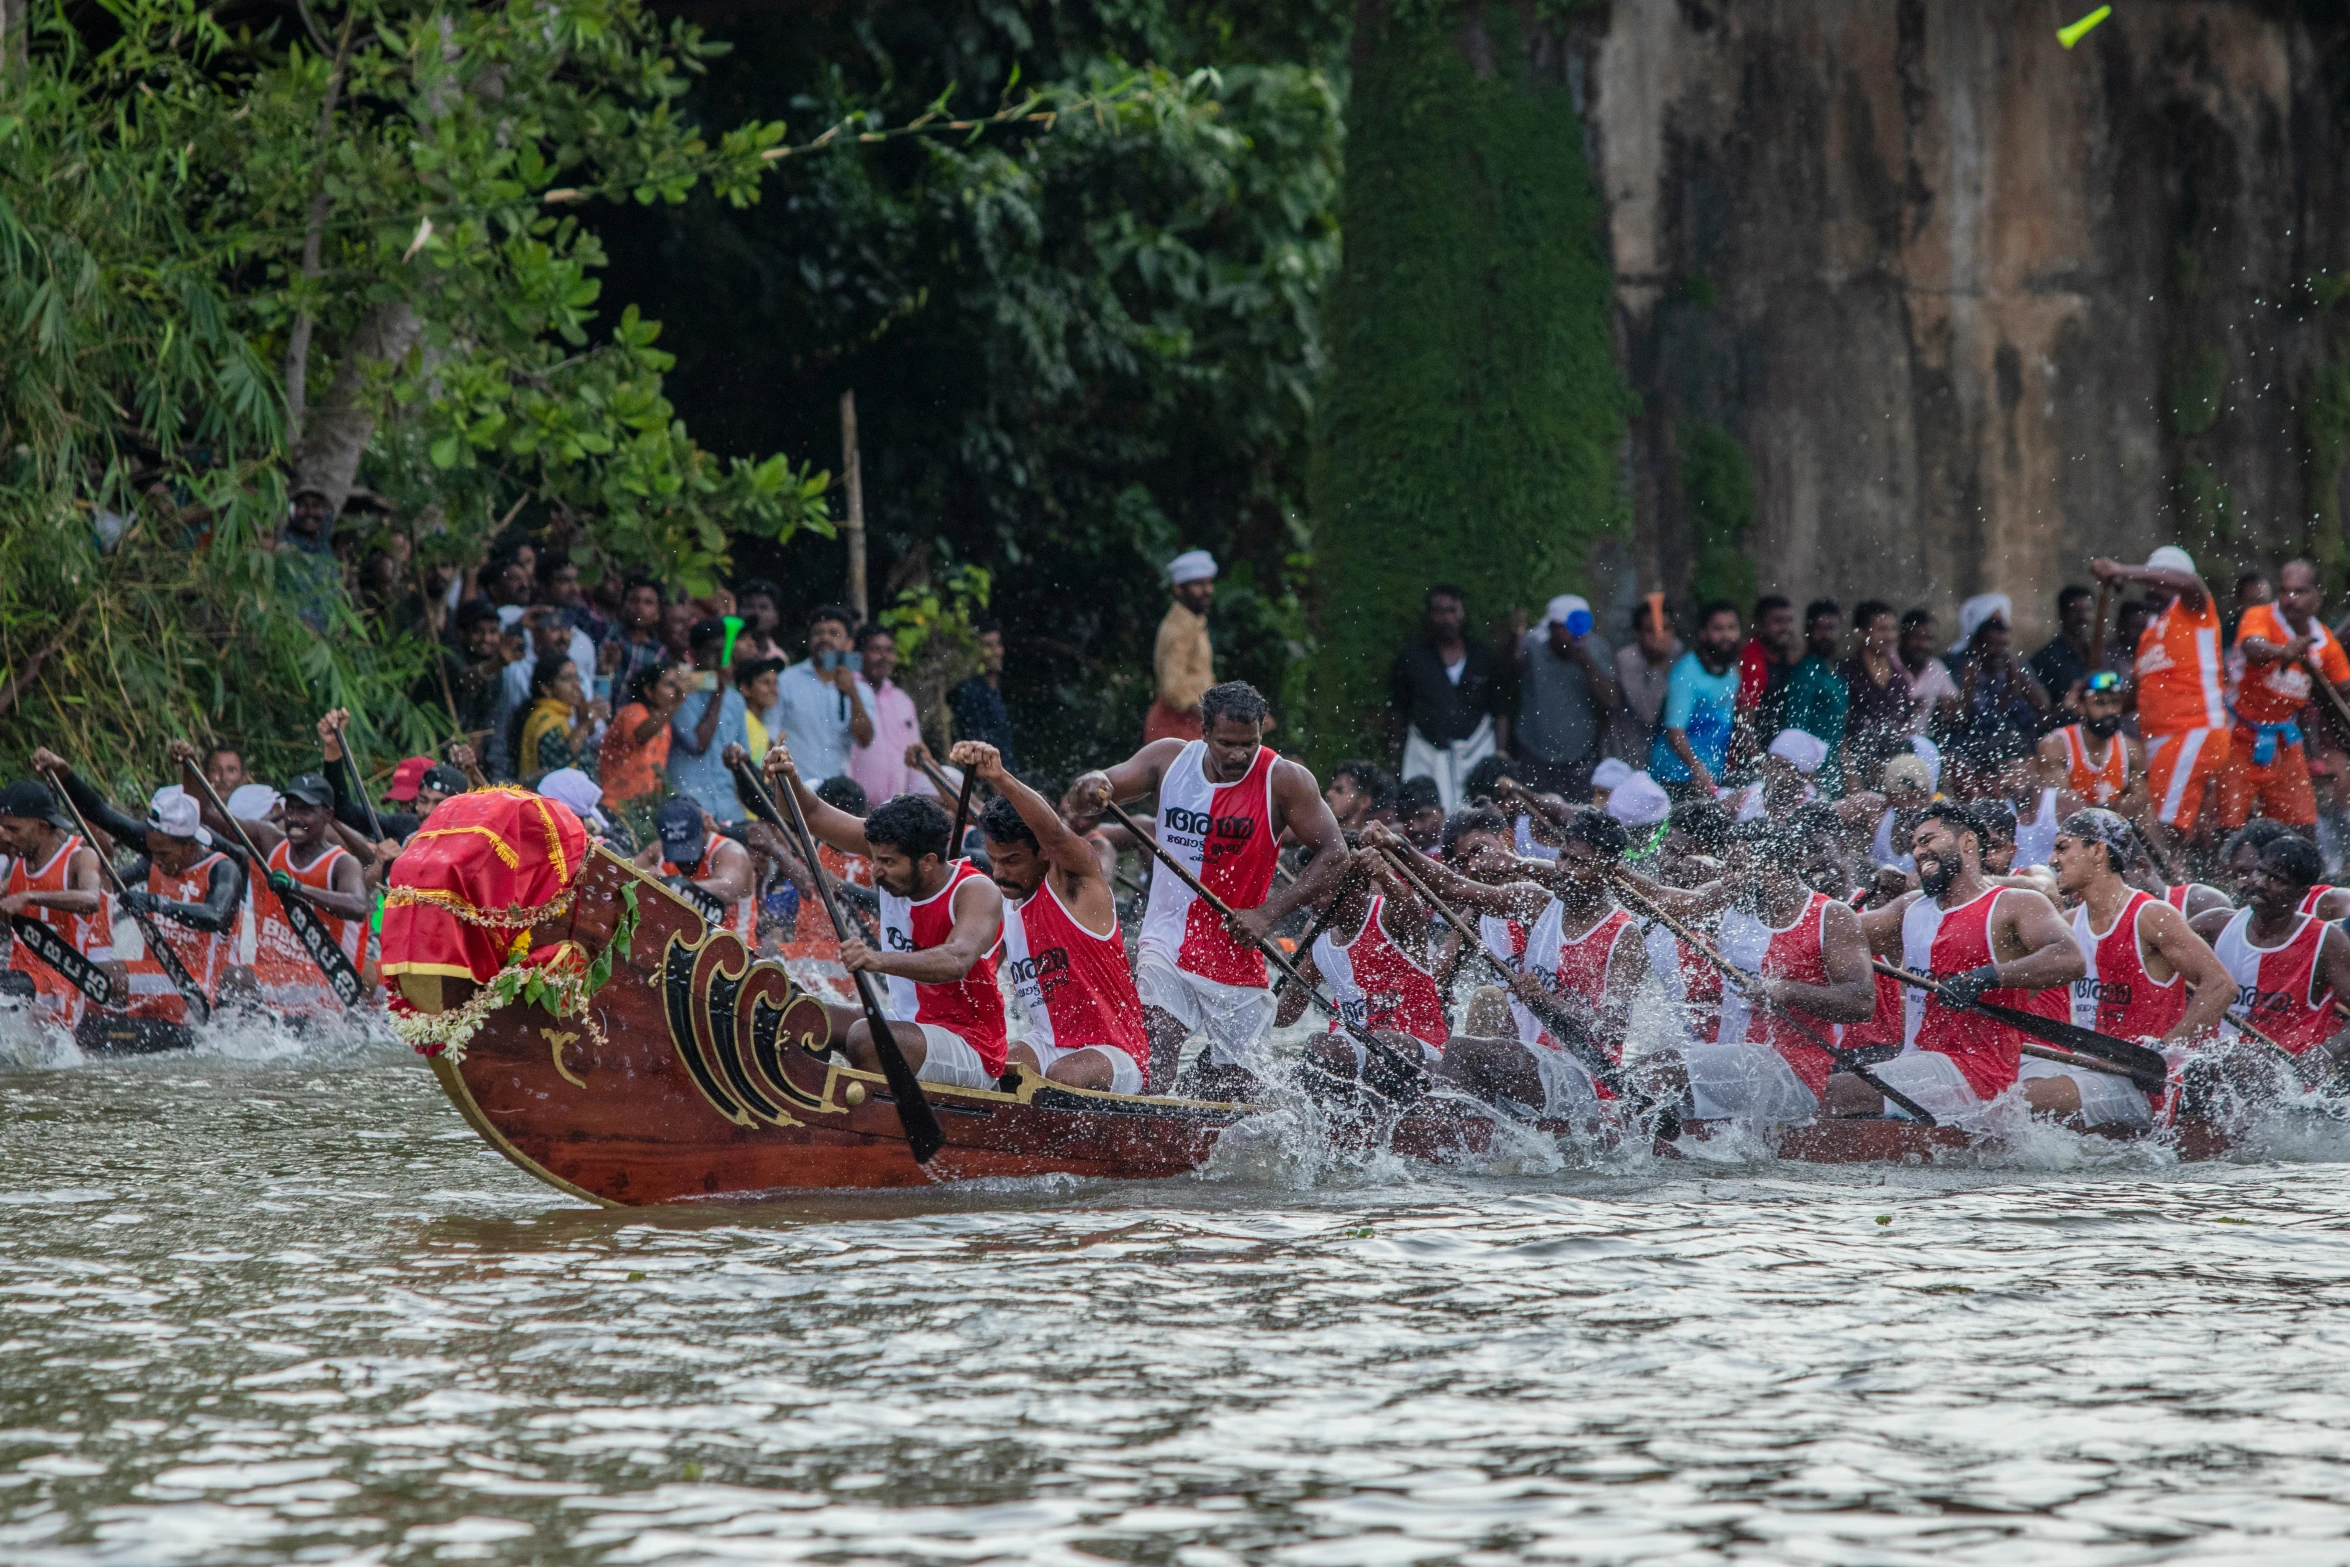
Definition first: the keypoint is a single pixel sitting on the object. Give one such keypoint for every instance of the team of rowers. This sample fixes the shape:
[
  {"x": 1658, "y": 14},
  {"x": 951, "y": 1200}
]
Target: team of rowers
[
  {"x": 1782, "y": 998},
  {"x": 1761, "y": 982}
]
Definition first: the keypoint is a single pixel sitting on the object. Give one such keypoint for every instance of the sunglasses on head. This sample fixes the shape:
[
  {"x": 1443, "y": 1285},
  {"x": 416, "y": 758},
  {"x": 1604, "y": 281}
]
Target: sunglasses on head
[{"x": 2105, "y": 680}]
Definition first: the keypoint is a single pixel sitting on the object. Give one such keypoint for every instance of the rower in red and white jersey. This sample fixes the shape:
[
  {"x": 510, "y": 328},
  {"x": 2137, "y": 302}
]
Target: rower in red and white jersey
[
  {"x": 941, "y": 922},
  {"x": 53, "y": 877},
  {"x": 1372, "y": 956},
  {"x": 2289, "y": 968},
  {"x": 1802, "y": 964},
  {"x": 1981, "y": 942},
  {"x": 1225, "y": 802},
  {"x": 1378, "y": 984},
  {"x": 1571, "y": 944},
  {"x": 2148, "y": 976},
  {"x": 1063, "y": 952},
  {"x": 2240, "y": 858},
  {"x": 713, "y": 872},
  {"x": 306, "y": 862}
]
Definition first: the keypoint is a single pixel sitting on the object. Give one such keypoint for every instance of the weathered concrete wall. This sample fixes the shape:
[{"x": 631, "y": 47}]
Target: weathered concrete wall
[{"x": 1944, "y": 279}]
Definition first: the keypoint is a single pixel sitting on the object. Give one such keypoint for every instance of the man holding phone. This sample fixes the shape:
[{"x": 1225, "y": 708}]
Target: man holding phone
[
  {"x": 1567, "y": 690},
  {"x": 817, "y": 702}
]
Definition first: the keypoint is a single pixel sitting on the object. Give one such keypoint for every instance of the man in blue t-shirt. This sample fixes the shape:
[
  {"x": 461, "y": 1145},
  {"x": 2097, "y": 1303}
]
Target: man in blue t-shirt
[
  {"x": 1701, "y": 705},
  {"x": 706, "y": 722}
]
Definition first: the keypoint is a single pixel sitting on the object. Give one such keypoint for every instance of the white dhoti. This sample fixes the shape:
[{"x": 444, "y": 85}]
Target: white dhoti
[{"x": 1449, "y": 765}]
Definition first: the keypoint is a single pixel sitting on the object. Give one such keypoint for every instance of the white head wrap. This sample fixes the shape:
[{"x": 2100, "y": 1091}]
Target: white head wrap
[
  {"x": 1982, "y": 607},
  {"x": 1931, "y": 755},
  {"x": 1192, "y": 566},
  {"x": 2170, "y": 558},
  {"x": 1611, "y": 773},
  {"x": 1639, "y": 801},
  {"x": 576, "y": 789},
  {"x": 1564, "y": 605},
  {"x": 1800, "y": 749}
]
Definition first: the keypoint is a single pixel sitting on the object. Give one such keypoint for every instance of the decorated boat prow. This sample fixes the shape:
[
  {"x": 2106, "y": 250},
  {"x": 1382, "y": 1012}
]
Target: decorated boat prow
[{"x": 596, "y": 1031}]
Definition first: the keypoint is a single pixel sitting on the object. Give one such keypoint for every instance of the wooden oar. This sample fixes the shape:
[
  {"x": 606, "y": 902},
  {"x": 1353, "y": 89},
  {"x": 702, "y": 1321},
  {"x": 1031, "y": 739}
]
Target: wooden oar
[
  {"x": 199, "y": 1004},
  {"x": 375, "y": 826},
  {"x": 1569, "y": 1030},
  {"x": 938, "y": 777},
  {"x": 1846, "y": 1060},
  {"x": 2078, "y": 1046},
  {"x": 1414, "y": 1072},
  {"x": 322, "y": 949},
  {"x": 2097, "y": 631},
  {"x": 915, "y": 1115}
]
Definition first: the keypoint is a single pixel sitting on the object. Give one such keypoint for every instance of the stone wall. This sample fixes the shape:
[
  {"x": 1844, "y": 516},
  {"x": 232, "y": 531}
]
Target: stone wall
[{"x": 1974, "y": 306}]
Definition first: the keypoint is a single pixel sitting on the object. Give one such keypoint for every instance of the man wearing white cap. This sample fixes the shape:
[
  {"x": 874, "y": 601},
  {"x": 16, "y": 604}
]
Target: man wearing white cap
[
  {"x": 1789, "y": 769},
  {"x": 1567, "y": 690},
  {"x": 182, "y": 881},
  {"x": 2181, "y": 711},
  {"x": 1184, "y": 660}
]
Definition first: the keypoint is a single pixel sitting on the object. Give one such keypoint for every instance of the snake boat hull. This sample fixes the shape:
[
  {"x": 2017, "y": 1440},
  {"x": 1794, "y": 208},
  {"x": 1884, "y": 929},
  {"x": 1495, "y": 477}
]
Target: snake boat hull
[{"x": 712, "y": 1081}]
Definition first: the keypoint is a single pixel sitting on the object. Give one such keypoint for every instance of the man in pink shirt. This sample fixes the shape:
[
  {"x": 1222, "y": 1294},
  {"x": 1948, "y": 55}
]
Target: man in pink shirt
[{"x": 881, "y": 767}]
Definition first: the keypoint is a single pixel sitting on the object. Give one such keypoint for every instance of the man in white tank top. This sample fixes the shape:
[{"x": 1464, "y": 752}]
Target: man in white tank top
[{"x": 1194, "y": 975}]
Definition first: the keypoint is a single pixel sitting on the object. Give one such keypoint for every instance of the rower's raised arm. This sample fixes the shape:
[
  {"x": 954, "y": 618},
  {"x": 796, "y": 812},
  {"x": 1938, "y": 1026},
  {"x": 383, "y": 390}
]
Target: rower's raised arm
[{"x": 1060, "y": 846}]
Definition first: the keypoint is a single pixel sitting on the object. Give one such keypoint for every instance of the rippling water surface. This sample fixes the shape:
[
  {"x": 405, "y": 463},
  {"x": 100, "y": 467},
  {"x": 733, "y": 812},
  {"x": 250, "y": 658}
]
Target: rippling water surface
[{"x": 261, "y": 1305}]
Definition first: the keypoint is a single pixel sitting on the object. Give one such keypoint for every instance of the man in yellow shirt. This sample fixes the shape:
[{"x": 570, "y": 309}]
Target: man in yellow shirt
[{"x": 1184, "y": 660}]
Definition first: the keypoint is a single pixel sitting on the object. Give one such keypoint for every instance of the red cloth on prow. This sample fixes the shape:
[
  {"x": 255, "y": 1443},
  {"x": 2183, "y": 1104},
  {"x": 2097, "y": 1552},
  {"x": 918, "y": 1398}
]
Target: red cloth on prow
[{"x": 504, "y": 855}]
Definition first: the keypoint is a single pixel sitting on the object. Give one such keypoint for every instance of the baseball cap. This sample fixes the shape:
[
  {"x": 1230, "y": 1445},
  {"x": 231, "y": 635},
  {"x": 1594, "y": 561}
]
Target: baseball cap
[
  {"x": 407, "y": 777},
  {"x": 680, "y": 826},
  {"x": 310, "y": 789},
  {"x": 1565, "y": 609},
  {"x": 252, "y": 802},
  {"x": 30, "y": 800},
  {"x": 174, "y": 813}
]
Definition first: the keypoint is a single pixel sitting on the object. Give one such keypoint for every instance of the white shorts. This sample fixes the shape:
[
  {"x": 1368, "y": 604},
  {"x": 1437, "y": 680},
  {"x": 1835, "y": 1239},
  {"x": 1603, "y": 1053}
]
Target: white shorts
[
  {"x": 947, "y": 1057},
  {"x": 1236, "y": 1018},
  {"x": 1568, "y": 1094},
  {"x": 1932, "y": 1079},
  {"x": 2106, "y": 1100},
  {"x": 1125, "y": 1071},
  {"x": 1746, "y": 1083}
]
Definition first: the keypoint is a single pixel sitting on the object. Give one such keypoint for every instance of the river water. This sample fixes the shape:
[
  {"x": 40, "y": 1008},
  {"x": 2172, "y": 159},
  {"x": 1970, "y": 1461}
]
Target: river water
[{"x": 265, "y": 1304}]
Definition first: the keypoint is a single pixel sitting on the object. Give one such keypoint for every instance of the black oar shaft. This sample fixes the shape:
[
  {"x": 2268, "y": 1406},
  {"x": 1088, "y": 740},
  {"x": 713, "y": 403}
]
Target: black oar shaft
[
  {"x": 915, "y": 1115},
  {"x": 2075, "y": 1045}
]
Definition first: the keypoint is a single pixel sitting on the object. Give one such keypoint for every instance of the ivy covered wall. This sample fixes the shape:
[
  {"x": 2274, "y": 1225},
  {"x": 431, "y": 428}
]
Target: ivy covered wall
[{"x": 1470, "y": 425}]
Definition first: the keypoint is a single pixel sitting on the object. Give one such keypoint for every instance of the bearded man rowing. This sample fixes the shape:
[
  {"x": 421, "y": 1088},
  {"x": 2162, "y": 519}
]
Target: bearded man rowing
[
  {"x": 1225, "y": 800},
  {"x": 940, "y": 921},
  {"x": 1983, "y": 942}
]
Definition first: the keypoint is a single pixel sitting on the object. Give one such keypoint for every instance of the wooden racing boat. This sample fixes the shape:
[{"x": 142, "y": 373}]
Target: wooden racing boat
[{"x": 712, "y": 1080}]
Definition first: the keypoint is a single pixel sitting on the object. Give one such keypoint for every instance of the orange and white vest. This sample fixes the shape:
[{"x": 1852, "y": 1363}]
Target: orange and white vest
[
  {"x": 290, "y": 983},
  {"x": 203, "y": 953},
  {"x": 56, "y": 999}
]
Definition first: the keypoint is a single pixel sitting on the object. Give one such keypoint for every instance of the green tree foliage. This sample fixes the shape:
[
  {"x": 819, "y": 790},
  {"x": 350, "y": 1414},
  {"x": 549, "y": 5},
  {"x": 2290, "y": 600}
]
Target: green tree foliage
[
  {"x": 233, "y": 263},
  {"x": 1717, "y": 485},
  {"x": 1474, "y": 408},
  {"x": 1076, "y": 350}
]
